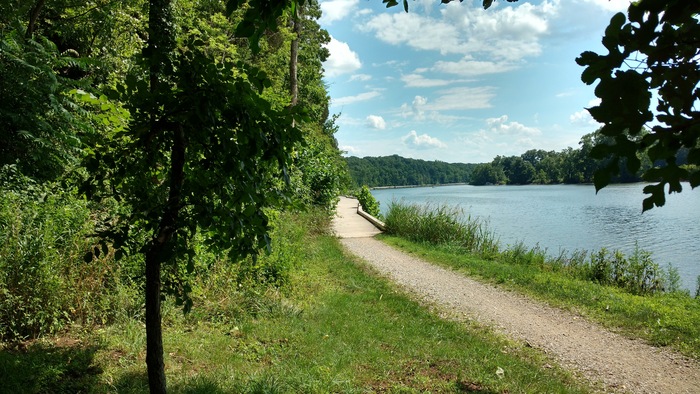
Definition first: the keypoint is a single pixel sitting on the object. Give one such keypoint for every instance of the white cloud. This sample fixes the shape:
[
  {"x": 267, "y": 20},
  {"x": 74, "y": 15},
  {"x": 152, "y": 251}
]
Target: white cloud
[
  {"x": 419, "y": 81},
  {"x": 462, "y": 98},
  {"x": 501, "y": 125},
  {"x": 360, "y": 77},
  {"x": 583, "y": 118},
  {"x": 351, "y": 150},
  {"x": 567, "y": 93},
  {"x": 376, "y": 122},
  {"x": 423, "y": 141},
  {"x": 415, "y": 110},
  {"x": 342, "y": 59},
  {"x": 469, "y": 68},
  {"x": 354, "y": 99},
  {"x": 503, "y": 34},
  {"x": 335, "y": 10}
]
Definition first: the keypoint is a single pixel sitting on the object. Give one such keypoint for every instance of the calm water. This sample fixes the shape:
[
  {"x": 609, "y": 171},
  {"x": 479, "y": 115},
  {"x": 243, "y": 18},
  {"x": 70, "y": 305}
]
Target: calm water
[{"x": 573, "y": 217}]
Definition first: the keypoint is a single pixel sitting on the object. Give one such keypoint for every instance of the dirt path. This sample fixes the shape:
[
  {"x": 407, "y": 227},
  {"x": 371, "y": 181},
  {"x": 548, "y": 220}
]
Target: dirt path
[{"x": 621, "y": 364}]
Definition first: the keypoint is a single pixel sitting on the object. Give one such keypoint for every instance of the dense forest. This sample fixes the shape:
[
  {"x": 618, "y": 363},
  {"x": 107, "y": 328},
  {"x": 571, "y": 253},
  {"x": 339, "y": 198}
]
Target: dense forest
[{"x": 399, "y": 171}]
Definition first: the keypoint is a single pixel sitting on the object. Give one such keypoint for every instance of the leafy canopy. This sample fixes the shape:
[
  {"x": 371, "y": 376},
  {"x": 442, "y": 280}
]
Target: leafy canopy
[{"x": 652, "y": 58}]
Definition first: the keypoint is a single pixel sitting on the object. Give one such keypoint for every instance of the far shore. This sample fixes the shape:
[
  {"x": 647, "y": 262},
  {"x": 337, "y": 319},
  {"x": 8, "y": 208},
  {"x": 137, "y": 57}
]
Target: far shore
[{"x": 414, "y": 186}]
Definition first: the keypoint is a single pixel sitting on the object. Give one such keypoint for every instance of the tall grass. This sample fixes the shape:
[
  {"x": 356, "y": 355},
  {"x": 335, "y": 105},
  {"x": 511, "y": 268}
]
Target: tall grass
[
  {"x": 448, "y": 226},
  {"x": 440, "y": 225},
  {"x": 46, "y": 281}
]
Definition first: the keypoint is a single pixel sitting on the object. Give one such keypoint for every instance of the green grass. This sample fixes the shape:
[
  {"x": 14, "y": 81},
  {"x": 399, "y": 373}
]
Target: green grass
[
  {"x": 663, "y": 319},
  {"x": 335, "y": 328}
]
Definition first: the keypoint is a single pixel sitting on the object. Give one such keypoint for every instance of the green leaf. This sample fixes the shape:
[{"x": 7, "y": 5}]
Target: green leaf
[
  {"x": 600, "y": 151},
  {"x": 694, "y": 179},
  {"x": 390, "y": 3},
  {"x": 601, "y": 178},
  {"x": 245, "y": 28},
  {"x": 657, "y": 198},
  {"x": 233, "y": 5},
  {"x": 487, "y": 4},
  {"x": 586, "y": 58},
  {"x": 405, "y": 5}
]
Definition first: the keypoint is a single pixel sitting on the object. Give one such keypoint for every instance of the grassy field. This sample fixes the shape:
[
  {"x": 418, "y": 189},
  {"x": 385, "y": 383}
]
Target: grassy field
[{"x": 334, "y": 328}]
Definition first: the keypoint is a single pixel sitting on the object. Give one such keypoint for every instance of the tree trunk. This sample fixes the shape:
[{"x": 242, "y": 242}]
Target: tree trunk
[
  {"x": 33, "y": 16},
  {"x": 293, "y": 81},
  {"x": 161, "y": 41},
  {"x": 154, "y": 334},
  {"x": 154, "y": 259}
]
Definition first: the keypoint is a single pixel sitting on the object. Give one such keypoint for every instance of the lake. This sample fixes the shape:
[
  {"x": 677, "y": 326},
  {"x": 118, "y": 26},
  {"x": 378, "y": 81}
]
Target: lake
[{"x": 571, "y": 217}]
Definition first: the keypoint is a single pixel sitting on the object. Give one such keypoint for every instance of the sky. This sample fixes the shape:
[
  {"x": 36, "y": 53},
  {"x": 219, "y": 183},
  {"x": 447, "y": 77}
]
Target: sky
[{"x": 458, "y": 83}]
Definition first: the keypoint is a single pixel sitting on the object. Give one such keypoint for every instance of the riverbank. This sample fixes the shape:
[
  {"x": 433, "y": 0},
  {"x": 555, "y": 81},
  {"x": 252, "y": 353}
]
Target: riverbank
[
  {"x": 568, "y": 218},
  {"x": 621, "y": 363},
  {"x": 415, "y": 186}
]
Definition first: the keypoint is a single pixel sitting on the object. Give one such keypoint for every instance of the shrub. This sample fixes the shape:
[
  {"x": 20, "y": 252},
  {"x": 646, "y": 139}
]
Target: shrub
[
  {"x": 441, "y": 226},
  {"x": 368, "y": 202},
  {"x": 45, "y": 282}
]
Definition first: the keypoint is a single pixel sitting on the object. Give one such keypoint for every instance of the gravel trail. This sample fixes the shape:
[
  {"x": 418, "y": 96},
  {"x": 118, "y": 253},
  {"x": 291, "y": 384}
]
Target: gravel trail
[{"x": 621, "y": 364}]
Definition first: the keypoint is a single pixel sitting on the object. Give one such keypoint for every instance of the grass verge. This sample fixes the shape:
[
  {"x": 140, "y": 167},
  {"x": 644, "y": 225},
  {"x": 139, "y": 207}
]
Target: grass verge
[
  {"x": 663, "y": 319},
  {"x": 335, "y": 328}
]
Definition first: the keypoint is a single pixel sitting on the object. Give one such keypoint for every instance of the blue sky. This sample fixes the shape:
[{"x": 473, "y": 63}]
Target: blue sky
[{"x": 457, "y": 83}]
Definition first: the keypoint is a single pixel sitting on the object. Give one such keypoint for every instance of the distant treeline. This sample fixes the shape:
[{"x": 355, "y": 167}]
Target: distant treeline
[
  {"x": 534, "y": 166},
  {"x": 569, "y": 166},
  {"x": 399, "y": 171}
]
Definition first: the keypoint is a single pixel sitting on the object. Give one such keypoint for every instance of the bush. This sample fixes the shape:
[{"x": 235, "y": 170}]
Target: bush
[
  {"x": 223, "y": 291},
  {"x": 368, "y": 202},
  {"x": 637, "y": 274},
  {"x": 440, "y": 226},
  {"x": 45, "y": 282}
]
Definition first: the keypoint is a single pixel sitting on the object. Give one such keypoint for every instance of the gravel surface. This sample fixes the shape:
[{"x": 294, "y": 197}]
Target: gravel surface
[{"x": 621, "y": 364}]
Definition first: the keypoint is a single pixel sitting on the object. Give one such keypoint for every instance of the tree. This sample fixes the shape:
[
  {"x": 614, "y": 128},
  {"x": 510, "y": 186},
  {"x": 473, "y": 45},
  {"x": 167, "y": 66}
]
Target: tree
[
  {"x": 654, "y": 50},
  {"x": 487, "y": 174},
  {"x": 203, "y": 152}
]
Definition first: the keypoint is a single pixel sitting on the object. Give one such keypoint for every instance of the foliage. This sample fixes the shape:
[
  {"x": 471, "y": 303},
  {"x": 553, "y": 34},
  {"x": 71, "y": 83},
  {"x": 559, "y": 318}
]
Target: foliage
[
  {"x": 637, "y": 274},
  {"x": 571, "y": 166},
  {"x": 440, "y": 225},
  {"x": 487, "y": 174},
  {"x": 368, "y": 202},
  {"x": 653, "y": 53},
  {"x": 398, "y": 171},
  {"x": 39, "y": 125},
  {"x": 44, "y": 281}
]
